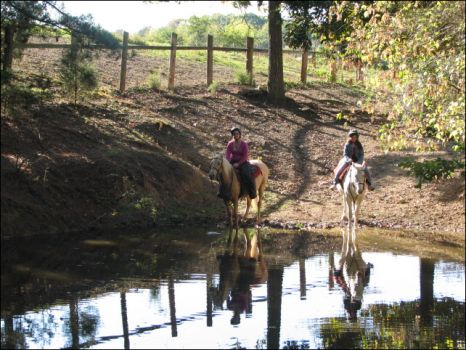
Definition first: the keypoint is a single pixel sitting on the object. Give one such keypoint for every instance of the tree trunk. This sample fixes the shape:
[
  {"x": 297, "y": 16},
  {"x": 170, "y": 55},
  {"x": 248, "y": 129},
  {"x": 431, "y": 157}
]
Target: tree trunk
[
  {"x": 276, "y": 86},
  {"x": 427, "y": 272},
  {"x": 7, "y": 53},
  {"x": 124, "y": 319},
  {"x": 274, "y": 306},
  {"x": 74, "y": 323}
]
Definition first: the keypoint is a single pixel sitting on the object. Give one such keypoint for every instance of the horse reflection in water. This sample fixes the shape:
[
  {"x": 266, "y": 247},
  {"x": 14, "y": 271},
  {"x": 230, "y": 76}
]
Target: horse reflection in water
[
  {"x": 352, "y": 273},
  {"x": 239, "y": 270}
]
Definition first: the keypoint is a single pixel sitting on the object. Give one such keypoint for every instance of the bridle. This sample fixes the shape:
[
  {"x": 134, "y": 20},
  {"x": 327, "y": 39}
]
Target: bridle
[{"x": 218, "y": 169}]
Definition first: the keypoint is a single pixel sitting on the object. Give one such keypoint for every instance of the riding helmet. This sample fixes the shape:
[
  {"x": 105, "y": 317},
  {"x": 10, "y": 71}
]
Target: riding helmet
[
  {"x": 235, "y": 128},
  {"x": 353, "y": 132}
]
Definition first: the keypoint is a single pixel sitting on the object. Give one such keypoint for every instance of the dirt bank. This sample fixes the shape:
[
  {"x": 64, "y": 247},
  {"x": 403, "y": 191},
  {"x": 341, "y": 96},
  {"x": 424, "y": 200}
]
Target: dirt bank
[{"x": 142, "y": 157}]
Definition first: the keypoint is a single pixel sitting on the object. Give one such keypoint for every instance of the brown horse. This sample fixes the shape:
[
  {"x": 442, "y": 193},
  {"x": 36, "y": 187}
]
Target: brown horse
[{"x": 223, "y": 171}]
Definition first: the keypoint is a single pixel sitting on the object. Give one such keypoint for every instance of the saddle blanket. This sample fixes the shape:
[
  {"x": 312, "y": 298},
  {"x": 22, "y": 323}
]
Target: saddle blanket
[
  {"x": 343, "y": 173},
  {"x": 255, "y": 171}
]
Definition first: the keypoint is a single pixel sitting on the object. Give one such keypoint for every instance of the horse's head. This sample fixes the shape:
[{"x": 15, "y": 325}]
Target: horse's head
[
  {"x": 358, "y": 177},
  {"x": 216, "y": 166}
]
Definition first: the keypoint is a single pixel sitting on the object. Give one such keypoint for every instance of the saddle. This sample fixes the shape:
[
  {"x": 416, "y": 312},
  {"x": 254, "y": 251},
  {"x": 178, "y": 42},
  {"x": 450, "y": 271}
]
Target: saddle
[{"x": 343, "y": 173}]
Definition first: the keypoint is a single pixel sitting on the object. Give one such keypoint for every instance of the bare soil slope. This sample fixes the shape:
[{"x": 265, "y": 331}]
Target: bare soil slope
[{"x": 143, "y": 157}]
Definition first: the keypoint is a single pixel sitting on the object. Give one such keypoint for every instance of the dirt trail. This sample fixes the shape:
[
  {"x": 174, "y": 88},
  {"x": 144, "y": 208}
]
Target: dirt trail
[{"x": 302, "y": 142}]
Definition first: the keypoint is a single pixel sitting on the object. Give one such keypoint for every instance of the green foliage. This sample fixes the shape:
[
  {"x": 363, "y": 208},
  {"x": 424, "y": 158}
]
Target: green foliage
[
  {"x": 146, "y": 205},
  {"x": 430, "y": 170},
  {"x": 46, "y": 17},
  {"x": 134, "y": 202},
  {"x": 308, "y": 20},
  {"x": 213, "y": 88},
  {"x": 18, "y": 96},
  {"x": 24, "y": 92},
  {"x": 154, "y": 80},
  {"x": 423, "y": 44},
  {"x": 77, "y": 74},
  {"x": 243, "y": 78},
  {"x": 228, "y": 31}
]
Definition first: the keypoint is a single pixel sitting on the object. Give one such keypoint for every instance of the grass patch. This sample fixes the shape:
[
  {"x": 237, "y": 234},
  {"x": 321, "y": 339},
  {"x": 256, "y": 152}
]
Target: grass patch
[{"x": 153, "y": 80}]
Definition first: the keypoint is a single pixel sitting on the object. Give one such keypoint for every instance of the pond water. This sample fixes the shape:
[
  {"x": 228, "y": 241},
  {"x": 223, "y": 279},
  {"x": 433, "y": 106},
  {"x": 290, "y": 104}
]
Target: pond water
[{"x": 198, "y": 290}]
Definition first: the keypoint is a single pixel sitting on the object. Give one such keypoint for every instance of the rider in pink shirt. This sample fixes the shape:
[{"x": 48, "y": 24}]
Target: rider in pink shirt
[{"x": 238, "y": 154}]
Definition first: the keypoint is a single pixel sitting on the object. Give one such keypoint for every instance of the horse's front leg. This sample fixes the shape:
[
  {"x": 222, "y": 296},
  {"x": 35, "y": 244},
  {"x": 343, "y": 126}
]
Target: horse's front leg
[
  {"x": 344, "y": 214},
  {"x": 259, "y": 203},
  {"x": 235, "y": 213},
  {"x": 229, "y": 214},
  {"x": 349, "y": 210},
  {"x": 230, "y": 232},
  {"x": 357, "y": 209},
  {"x": 248, "y": 206}
]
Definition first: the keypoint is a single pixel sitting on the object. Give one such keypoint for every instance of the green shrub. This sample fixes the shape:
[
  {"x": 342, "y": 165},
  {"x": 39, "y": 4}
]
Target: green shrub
[
  {"x": 213, "y": 87},
  {"x": 244, "y": 78},
  {"x": 431, "y": 169},
  {"x": 154, "y": 80},
  {"x": 79, "y": 79},
  {"x": 77, "y": 73},
  {"x": 16, "y": 97}
]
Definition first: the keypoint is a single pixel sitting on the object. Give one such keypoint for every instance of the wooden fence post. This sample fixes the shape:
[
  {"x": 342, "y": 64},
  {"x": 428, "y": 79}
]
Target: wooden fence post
[
  {"x": 210, "y": 59},
  {"x": 171, "y": 75},
  {"x": 333, "y": 70},
  {"x": 249, "y": 57},
  {"x": 360, "y": 73},
  {"x": 314, "y": 59},
  {"x": 304, "y": 61},
  {"x": 124, "y": 59},
  {"x": 8, "y": 53}
]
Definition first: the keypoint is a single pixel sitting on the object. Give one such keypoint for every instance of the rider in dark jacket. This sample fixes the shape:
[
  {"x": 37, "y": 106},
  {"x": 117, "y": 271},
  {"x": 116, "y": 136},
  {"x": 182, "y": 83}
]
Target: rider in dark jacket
[{"x": 353, "y": 152}]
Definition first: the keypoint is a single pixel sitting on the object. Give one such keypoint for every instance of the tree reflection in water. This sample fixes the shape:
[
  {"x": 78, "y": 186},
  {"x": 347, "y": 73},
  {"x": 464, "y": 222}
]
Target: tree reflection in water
[
  {"x": 425, "y": 322},
  {"x": 399, "y": 325}
]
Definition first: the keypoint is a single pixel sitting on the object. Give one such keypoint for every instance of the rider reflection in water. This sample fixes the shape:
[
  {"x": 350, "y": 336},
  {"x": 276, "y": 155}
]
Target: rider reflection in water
[
  {"x": 237, "y": 273},
  {"x": 352, "y": 275},
  {"x": 240, "y": 300}
]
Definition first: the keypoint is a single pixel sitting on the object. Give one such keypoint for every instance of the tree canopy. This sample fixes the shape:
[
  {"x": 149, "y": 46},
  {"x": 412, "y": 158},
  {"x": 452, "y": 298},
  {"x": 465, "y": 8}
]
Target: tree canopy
[
  {"x": 26, "y": 16},
  {"x": 423, "y": 43}
]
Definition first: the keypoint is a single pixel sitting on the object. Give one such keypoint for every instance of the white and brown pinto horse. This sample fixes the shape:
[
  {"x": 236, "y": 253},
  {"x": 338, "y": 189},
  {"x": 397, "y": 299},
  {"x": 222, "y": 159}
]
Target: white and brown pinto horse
[
  {"x": 354, "y": 191},
  {"x": 223, "y": 171}
]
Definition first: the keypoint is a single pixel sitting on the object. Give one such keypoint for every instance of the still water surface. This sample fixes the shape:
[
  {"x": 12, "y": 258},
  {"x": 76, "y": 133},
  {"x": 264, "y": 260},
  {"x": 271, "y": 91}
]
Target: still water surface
[{"x": 207, "y": 293}]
